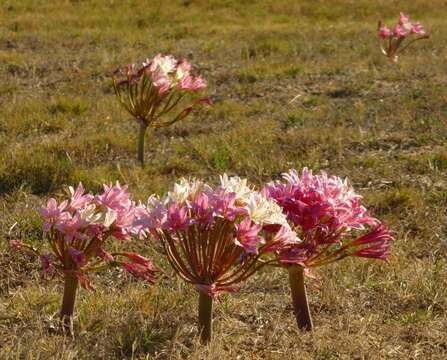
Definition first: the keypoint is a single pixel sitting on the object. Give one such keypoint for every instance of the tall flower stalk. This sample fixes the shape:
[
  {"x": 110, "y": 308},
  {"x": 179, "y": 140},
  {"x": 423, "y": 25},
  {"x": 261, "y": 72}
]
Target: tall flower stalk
[
  {"x": 395, "y": 41},
  {"x": 161, "y": 86},
  {"x": 328, "y": 216},
  {"x": 77, "y": 231},
  {"x": 214, "y": 237}
]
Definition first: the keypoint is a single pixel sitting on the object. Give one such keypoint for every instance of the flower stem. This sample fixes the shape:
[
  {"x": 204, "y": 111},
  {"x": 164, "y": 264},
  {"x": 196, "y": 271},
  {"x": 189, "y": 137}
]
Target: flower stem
[
  {"x": 299, "y": 298},
  {"x": 205, "y": 317},
  {"x": 141, "y": 135},
  {"x": 68, "y": 302}
]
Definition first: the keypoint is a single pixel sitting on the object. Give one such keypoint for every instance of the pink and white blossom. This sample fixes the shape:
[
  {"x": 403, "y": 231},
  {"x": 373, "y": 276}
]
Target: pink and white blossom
[
  {"x": 210, "y": 234},
  {"x": 404, "y": 33},
  {"x": 328, "y": 216}
]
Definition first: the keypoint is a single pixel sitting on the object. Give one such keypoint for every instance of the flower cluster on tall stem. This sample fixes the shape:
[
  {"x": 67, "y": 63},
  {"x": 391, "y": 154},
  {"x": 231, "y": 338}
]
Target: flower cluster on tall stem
[
  {"x": 329, "y": 218},
  {"x": 77, "y": 231},
  {"x": 160, "y": 86},
  {"x": 394, "y": 41},
  {"x": 213, "y": 237}
]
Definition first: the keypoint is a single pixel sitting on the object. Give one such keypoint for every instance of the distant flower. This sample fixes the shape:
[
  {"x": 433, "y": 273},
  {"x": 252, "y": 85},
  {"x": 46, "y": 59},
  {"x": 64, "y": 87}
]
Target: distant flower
[
  {"x": 161, "y": 92},
  {"x": 385, "y": 32},
  {"x": 393, "y": 42}
]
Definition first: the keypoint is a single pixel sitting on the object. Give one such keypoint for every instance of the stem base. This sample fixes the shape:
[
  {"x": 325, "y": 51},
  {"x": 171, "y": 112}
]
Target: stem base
[
  {"x": 68, "y": 303},
  {"x": 299, "y": 298},
  {"x": 205, "y": 317}
]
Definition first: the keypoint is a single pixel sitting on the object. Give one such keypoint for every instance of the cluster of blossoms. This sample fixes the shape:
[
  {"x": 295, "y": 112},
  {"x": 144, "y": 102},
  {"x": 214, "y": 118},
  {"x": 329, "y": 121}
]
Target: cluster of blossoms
[
  {"x": 328, "y": 216},
  {"x": 392, "y": 40},
  {"x": 156, "y": 88},
  {"x": 77, "y": 230},
  {"x": 161, "y": 86},
  {"x": 213, "y": 237}
]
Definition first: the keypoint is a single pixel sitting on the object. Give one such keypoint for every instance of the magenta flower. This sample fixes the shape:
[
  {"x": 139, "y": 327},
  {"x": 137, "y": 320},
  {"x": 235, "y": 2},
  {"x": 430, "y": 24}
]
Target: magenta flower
[
  {"x": 385, "y": 32},
  {"x": 161, "y": 86},
  {"x": 72, "y": 227},
  {"x": 139, "y": 267},
  {"x": 78, "y": 199},
  {"x": 78, "y": 230},
  {"x": 332, "y": 223},
  {"x": 393, "y": 42},
  {"x": 214, "y": 237},
  {"x": 247, "y": 236},
  {"x": 53, "y": 214},
  {"x": 177, "y": 217},
  {"x": 114, "y": 197}
]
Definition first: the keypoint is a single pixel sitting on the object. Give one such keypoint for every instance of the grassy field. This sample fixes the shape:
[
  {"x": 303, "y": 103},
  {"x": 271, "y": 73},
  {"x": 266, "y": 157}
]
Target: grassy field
[{"x": 383, "y": 125}]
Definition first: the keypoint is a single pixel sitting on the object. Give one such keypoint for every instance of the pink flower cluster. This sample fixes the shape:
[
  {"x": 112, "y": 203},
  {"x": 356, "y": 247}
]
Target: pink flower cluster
[
  {"x": 85, "y": 216},
  {"x": 327, "y": 215},
  {"x": 205, "y": 206},
  {"x": 404, "y": 27},
  {"x": 166, "y": 73},
  {"x": 77, "y": 230},
  {"x": 207, "y": 232},
  {"x": 393, "y": 39},
  {"x": 160, "y": 86}
]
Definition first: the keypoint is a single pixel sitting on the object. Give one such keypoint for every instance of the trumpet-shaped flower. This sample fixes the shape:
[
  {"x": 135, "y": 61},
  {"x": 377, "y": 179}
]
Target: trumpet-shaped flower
[
  {"x": 78, "y": 198},
  {"x": 53, "y": 214},
  {"x": 247, "y": 236},
  {"x": 393, "y": 42}
]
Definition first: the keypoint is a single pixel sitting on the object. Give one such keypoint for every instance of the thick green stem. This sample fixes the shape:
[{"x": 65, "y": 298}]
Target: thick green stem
[
  {"x": 205, "y": 317},
  {"x": 141, "y": 135},
  {"x": 68, "y": 302},
  {"x": 299, "y": 298}
]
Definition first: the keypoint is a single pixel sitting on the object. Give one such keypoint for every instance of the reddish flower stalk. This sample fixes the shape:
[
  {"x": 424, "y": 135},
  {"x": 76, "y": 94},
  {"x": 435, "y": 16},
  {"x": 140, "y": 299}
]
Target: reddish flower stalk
[
  {"x": 161, "y": 86},
  {"x": 77, "y": 231},
  {"x": 213, "y": 238},
  {"x": 328, "y": 216},
  {"x": 393, "y": 42}
]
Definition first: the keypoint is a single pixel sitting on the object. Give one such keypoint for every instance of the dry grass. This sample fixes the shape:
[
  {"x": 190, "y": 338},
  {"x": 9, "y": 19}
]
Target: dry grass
[{"x": 382, "y": 125}]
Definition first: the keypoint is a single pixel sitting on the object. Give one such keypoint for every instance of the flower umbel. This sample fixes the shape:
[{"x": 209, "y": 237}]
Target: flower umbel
[
  {"x": 212, "y": 238},
  {"x": 394, "y": 41},
  {"x": 162, "y": 85},
  {"x": 328, "y": 216},
  {"x": 207, "y": 231},
  {"x": 78, "y": 229}
]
